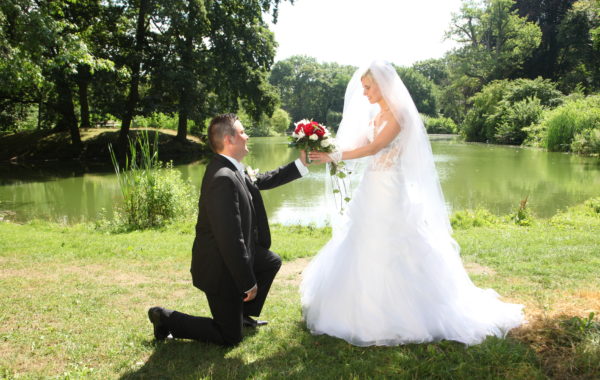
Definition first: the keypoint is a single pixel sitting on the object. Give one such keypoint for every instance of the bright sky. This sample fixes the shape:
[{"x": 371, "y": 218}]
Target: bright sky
[{"x": 355, "y": 32}]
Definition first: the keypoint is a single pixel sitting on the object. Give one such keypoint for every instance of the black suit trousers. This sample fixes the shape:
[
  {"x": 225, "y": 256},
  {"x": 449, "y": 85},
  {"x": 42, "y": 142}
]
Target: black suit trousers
[{"x": 227, "y": 307}]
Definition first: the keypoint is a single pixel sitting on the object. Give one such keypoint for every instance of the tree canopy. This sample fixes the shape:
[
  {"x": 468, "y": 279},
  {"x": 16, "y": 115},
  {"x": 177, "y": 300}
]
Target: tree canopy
[{"x": 79, "y": 61}]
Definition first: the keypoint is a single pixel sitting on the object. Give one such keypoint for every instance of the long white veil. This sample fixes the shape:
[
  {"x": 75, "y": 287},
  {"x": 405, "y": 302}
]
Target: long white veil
[{"x": 415, "y": 160}]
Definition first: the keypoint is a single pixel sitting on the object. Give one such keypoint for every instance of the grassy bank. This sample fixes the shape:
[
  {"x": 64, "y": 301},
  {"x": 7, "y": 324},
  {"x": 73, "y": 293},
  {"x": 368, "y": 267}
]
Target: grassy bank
[
  {"x": 73, "y": 303},
  {"x": 37, "y": 146}
]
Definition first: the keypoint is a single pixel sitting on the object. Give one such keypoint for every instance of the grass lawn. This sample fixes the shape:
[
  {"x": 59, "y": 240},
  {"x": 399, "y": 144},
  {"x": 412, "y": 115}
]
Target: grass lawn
[{"x": 73, "y": 304}]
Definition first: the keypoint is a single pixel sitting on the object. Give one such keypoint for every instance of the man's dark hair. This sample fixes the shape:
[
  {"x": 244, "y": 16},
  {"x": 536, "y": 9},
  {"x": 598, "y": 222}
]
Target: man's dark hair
[{"x": 220, "y": 126}]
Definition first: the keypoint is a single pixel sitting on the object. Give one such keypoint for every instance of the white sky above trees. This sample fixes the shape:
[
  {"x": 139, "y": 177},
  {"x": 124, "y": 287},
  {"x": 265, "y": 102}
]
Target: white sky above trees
[{"x": 355, "y": 32}]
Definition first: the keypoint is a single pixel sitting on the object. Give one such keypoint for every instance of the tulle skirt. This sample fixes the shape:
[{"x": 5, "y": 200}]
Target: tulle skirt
[{"x": 386, "y": 279}]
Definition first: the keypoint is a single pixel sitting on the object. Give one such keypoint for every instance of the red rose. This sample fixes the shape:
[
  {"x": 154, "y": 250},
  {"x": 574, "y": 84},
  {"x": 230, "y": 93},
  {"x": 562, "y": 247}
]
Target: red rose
[
  {"x": 298, "y": 128},
  {"x": 320, "y": 131},
  {"x": 309, "y": 129}
]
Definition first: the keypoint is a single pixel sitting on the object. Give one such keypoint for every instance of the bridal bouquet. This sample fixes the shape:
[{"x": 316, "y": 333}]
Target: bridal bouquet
[{"x": 309, "y": 135}]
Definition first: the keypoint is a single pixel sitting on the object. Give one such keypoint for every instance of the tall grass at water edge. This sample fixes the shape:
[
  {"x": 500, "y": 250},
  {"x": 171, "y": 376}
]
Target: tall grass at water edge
[{"x": 153, "y": 193}]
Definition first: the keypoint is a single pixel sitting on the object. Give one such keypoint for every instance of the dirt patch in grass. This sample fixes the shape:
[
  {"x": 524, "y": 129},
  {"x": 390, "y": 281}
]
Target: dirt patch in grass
[
  {"x": 91, "y": 273},
  {"x": 475, "y": 268},
  {"x": 291, "y": 271},
  {"x": 558, "y": 342}
]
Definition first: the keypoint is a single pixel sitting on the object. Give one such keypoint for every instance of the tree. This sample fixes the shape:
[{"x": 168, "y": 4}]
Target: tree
[
  {"x": 495, "y": 40},
  {"x": 280, "y": 121},
  {"x": 548, "y": 14},
  {"x": 275, "y": 125},
  {"x": 596, "y": 31},
  {"x": 48, "y": 39},
  {"x": 421, "y": 89},
  {"x": 435, "y": 69},
  {"x": 211, "y": 56},
  {"x": 22, "y": 80},
  {"x": 311, "y": 90},
  {"x": 135, "y": 62},
  {"x": 578, "y": 56}
]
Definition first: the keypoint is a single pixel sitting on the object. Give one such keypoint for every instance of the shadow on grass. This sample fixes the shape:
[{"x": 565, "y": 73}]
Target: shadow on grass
[
  {"x": 298, "y": 354},
  {"x": 181, "y": 359}
]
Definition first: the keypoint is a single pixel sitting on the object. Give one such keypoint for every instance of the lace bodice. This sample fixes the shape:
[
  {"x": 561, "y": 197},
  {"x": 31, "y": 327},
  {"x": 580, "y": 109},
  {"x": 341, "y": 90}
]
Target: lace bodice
[{"x": 387, "y": 158}]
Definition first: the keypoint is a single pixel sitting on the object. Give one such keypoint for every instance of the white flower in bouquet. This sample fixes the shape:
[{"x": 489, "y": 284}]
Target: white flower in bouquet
[
  {"x": 313, "y": 137},
  {"x": 325, "y": 143}
]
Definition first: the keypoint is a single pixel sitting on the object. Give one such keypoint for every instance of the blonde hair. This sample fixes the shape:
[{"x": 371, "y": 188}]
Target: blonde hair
[{"x": 367, "y": 74}]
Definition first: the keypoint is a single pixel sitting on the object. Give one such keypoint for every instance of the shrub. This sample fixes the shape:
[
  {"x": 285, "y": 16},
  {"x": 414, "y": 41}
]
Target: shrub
[
  {"x": 593, "y": 205},
  {"x": 561, "y": 126},
  {"x": 516, "y": 117},
  {"x": 587, "y": 142},
  {"x": 153, "y": 193},
  {"x": 476, "y": 126},
  {"x": 156, "y": 120},
  {"x": 472, "y": 218},
  {"x": 494, "y": 117},
  {"x": 439, "y": 124},
  {"x": 160, "y": 120},
  {"x": 522, "y": 215}
]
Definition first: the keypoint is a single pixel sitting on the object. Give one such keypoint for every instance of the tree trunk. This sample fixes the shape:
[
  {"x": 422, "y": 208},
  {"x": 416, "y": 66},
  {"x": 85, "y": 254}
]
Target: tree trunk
[
  {"x": 133, "y": 97},
  {"x": 68, "y": 120},
  {"x": 83, "y": 82},
  {"x": 39, "y": 115},
  {"x": 183, "y": 116},
  {"x": 186, "y": 93}
]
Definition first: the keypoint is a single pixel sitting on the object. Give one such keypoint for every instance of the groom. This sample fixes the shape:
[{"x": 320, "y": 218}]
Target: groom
[{"x": 231, "y": 261}]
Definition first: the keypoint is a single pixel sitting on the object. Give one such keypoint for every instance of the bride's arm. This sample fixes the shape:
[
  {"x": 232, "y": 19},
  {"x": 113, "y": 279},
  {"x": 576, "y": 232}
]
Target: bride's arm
[{"x": 387, "y": 134}]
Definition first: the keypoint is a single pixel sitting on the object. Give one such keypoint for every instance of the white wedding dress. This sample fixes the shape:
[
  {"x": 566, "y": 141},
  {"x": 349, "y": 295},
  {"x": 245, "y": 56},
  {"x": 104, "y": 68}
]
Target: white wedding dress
[{"x": 388, "y": 278}]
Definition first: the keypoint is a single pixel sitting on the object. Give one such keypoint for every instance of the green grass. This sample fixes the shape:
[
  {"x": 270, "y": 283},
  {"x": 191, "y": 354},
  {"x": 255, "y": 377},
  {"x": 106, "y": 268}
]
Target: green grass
[{"x": 73, "y": 303}]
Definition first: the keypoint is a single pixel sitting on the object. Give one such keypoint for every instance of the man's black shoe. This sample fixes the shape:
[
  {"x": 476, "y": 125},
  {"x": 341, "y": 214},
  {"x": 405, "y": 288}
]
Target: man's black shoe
[
  {"x": 249, "y": 322},
  {"x": 161, "y": 332}
]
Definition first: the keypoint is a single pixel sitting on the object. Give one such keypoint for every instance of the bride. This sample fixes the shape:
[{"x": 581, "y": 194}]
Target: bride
[{"x": 391, "y": 274}]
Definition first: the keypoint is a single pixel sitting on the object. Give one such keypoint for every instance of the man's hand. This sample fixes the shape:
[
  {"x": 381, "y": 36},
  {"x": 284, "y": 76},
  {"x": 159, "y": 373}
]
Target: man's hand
[
  {"x": 251, "y": 294},
  {"x": 303, "y": 158},
  {"x": 320, "y": 157}
]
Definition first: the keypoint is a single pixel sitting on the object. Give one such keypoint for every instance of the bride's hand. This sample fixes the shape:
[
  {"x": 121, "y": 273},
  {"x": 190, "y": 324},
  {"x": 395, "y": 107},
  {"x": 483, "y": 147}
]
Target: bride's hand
[{"x": 319, "y": 157}]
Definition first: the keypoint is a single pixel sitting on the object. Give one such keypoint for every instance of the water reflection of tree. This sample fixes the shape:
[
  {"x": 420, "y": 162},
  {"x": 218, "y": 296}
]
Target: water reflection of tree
[
  {"x": 472, "y": 175},
  {"x": 499, "y": 177}
]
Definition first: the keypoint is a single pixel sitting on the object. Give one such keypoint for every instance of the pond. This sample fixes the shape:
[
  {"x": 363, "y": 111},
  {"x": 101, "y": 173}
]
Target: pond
[{"x": 472, "y": 175}]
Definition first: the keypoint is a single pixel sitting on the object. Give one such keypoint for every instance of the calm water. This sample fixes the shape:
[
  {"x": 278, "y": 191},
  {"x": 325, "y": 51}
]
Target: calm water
[{"x": 495, "y": 177}]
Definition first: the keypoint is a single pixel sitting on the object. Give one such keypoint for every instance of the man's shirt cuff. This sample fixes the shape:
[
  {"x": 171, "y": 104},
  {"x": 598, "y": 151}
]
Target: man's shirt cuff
[{"x": 301, "y": 168}]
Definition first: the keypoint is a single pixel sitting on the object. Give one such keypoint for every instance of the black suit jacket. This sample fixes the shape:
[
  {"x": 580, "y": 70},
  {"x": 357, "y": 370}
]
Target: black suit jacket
[{"x": 232, "y": 220}]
